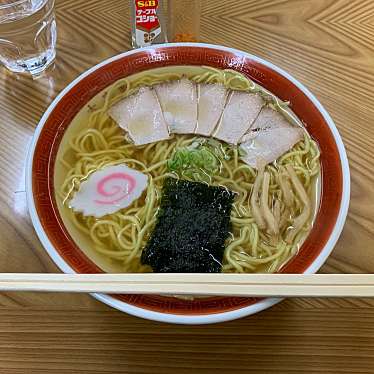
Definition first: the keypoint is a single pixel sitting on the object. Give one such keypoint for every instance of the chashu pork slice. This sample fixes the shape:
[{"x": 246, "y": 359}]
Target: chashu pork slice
[
  {"x": 141, "y": 116},
  {"x": 238, "y": 116},
  {"x": 211, "y": 102},
  {"x": 178, "y": 101},
  {"x": 269, "y": 138}
]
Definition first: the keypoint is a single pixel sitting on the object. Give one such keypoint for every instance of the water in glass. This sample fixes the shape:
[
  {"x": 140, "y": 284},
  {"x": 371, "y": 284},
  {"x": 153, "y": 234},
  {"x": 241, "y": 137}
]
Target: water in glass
[{"x": 27, "y": 35}]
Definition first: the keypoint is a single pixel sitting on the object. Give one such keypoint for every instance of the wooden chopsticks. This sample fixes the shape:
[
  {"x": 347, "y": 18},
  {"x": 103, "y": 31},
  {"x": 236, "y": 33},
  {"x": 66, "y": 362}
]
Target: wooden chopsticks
[{"x": 277, "y": 285}]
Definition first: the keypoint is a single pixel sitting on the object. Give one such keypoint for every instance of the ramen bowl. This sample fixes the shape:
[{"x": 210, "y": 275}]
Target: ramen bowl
[{"x": 70, "y": 257}]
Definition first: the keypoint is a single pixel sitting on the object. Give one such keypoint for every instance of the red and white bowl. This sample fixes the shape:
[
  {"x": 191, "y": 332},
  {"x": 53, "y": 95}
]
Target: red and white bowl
[{"x": 335, "y": 181}]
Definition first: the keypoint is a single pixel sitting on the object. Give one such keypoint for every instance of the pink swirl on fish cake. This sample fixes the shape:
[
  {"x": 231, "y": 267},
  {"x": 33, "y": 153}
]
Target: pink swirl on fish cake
[{"x": 115, "y": 189}]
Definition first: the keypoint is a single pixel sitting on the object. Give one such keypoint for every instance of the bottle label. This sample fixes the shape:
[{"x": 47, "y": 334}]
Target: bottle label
[{"x": 146, "y": 20}]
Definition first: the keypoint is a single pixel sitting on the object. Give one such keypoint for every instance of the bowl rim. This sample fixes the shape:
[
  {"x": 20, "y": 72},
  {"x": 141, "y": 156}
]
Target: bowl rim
[{"x": 181, "y": 318}]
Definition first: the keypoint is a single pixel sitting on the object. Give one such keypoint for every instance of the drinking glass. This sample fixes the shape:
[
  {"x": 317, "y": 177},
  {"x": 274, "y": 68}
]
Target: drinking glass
[{"x": 27, "y": 35}]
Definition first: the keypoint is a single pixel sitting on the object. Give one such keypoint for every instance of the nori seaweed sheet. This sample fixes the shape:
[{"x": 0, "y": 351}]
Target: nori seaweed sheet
[{"x": 192, "y": 225}]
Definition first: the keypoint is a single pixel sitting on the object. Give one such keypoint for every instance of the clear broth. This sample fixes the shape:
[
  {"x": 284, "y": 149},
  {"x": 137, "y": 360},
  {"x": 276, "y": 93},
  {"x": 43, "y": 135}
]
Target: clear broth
[{"x": 79, "y": 123}]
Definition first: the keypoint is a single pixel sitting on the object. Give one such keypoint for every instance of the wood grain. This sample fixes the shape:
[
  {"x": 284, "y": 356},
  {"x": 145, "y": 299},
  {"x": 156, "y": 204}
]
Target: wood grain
[{"x": 329, "y": 46}]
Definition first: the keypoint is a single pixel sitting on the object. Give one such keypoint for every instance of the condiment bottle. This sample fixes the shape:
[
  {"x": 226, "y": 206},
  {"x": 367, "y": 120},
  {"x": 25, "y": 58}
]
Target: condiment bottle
[
  {"x": 148, "y": 25},
  {"x": 184, "y": 20}
]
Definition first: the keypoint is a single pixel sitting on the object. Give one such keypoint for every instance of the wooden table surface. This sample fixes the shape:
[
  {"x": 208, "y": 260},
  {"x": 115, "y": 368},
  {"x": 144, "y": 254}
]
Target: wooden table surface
[{"x": 329, "y": 46}]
